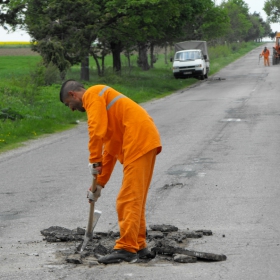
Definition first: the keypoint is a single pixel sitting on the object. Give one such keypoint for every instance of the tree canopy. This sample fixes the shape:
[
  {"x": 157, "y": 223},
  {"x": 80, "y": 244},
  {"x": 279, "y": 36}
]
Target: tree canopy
[
  {"x": 272, "y": 9},
  {"x": 10, "y": 13}
]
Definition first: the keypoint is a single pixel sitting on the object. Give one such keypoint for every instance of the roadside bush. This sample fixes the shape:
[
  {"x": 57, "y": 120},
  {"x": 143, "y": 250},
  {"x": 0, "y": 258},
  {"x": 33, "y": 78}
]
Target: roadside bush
[
  {"x": 45, "y": 76},
  {"x": 12, "y": 105},
  {"x": 28, "y": 88},
  {"x": 37, "y": 76},
  {"x": 236, "y": 46},
  {"x": 51, "y": 75},
  {"x": 219, "y": 51},
  {"x": 111, "y": 78},
  {"x": 8, "y": 113}
]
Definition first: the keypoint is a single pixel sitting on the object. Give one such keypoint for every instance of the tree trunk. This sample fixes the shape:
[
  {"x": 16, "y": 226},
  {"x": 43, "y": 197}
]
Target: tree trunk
[
  {"x": 102, "y": 65},
  {"x": 143, "y": 57},
  {"x": 116, "y": 49},
  {"x": 152, "y": 55},
  {"x": 62, "y": 75},
  {"x": 127, "y": 54},
  {"x": 97, "y": 64},
  {"x": 165, "y": 54},
  {"x": 85, "y": 69}
]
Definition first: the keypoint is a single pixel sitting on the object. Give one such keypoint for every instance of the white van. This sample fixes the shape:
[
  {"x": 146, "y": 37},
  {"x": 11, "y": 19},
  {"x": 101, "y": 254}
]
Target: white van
[{"x": 191, "y": 59}]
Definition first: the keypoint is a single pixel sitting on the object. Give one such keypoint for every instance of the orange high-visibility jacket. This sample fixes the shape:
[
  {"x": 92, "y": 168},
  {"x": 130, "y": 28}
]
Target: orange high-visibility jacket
[
  {"x": 265, "y": 54},
  {"x": 118, "y": 128}
]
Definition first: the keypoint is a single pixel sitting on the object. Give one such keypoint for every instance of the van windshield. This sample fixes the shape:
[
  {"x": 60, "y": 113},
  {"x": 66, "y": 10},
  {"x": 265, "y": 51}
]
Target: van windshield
[{"x": 188, "y": 55}]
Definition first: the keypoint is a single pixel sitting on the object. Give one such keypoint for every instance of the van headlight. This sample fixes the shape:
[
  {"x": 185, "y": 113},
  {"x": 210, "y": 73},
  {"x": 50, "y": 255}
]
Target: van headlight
[{"x": 198, "y": 65}]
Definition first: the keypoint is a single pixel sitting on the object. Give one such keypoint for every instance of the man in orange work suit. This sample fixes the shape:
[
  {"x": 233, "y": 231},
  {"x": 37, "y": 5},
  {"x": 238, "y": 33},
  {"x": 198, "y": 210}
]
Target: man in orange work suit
[
  {"x": 265, "y": 54},
  {"x": 119, "y": 129}
]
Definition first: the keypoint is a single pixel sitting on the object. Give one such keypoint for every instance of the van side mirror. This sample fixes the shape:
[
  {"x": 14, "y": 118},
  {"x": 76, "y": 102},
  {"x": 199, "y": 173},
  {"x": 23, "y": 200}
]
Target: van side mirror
[
  {"x": 205, "y": 56},
  {"x": 171, "y": 59}
]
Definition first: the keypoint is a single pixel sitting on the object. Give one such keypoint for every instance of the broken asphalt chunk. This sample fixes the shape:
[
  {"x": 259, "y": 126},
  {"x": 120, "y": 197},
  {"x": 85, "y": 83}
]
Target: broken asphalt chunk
[
  {"x": 179, "y": 236},
  {"x": 61, "y": 234},
  {"x": 100, "y": 250},
  {"x": 155, "y": 234},
  {"x": 75, "y": 258},
  {"x": 163, "y": 228},
  {"x": 171, "y": 248},
  {"x": 203, "y": 255},
  {"x": 184, "y": 258},
  {"x": 204, "y": 232}
]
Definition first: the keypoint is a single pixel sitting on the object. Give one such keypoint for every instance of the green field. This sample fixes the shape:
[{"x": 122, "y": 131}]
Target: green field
[{"x": 29, "y": 108}]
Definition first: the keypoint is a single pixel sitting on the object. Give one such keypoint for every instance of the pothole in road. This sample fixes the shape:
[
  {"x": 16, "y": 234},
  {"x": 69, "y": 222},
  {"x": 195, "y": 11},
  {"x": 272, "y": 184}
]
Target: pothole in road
[{"x": 167, "y": 243}]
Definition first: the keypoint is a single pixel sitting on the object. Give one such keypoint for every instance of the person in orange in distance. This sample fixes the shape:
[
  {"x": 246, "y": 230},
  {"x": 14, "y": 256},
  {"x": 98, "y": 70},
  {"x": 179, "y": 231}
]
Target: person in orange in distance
[
  {"x": 265, "y": 54},
  {"x": 119, "y": 129}
]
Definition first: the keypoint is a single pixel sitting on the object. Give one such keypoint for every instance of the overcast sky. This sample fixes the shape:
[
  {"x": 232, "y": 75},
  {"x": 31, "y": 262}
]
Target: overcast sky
[{"x": 254, "y": 5}]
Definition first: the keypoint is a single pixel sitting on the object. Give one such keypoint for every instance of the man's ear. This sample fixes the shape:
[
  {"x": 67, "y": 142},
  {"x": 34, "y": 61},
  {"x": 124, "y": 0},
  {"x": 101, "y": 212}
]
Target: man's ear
[{"x": 72, "y": 93}]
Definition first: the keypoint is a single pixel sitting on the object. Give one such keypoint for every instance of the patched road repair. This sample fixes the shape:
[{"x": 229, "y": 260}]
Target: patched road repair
[{"x": 166, "y": 242}]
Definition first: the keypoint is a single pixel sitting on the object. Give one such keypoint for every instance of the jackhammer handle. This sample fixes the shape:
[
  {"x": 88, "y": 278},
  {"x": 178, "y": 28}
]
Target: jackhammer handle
[{"x": 91, "y": 210}]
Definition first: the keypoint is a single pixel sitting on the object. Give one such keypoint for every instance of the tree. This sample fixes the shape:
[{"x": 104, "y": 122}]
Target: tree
[
  {"x": 216, "y": 23},
  {"x": 265, "y": 25},
  {"x": 61, "y": 37},
  {"x": 257, "y": 31},
  {"x": 98, "y": 51},
  {"x": 11, "y": 13},
  {"x": 208, "y": 22},
  {"x": 238, "y": 12},
  {"x": 72, "y": 25},
  {"x": 145, "y": 21},
  {"x": 149, "y": 23},
  {"x": 272, "y": 9}
]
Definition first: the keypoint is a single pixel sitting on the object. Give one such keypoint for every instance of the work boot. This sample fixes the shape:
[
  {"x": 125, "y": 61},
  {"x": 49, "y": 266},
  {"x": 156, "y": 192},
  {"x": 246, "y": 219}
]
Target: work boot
[
  {"x": 146, "y": 254},
  {"x": 118, "y": 256}
]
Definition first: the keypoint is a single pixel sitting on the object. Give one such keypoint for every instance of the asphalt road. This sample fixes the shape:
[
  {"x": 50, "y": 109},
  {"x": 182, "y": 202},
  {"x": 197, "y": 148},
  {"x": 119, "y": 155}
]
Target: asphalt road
[{"x": 219, "y": 170}]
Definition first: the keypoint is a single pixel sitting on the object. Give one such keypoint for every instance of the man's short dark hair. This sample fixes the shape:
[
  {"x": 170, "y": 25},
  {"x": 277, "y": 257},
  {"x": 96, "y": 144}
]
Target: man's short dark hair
[{"x": 69, "y": 85}]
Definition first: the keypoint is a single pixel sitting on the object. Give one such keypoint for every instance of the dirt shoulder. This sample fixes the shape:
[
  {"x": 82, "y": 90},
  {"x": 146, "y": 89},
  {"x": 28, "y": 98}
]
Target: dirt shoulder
[{"x": 16, "y": 52}]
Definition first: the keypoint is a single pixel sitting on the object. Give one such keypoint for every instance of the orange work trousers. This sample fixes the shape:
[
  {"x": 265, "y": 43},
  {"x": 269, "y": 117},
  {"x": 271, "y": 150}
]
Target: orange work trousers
[
  {"x": 131, "y": 203},
  {"x": 266, "y": 61}
]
